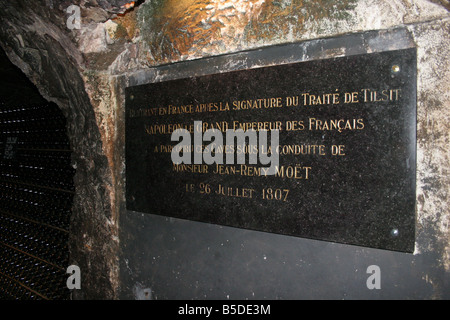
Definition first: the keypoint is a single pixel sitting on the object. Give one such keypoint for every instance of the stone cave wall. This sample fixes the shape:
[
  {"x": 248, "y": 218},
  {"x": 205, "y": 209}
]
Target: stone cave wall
[
  {"x": 85, "y": 70},
  {"x": 35, "y": 38}
]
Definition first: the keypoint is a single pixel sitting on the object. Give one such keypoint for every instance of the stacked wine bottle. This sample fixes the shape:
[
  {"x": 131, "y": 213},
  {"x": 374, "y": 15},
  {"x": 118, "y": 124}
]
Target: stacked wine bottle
[{"x": 36, "y": 195}]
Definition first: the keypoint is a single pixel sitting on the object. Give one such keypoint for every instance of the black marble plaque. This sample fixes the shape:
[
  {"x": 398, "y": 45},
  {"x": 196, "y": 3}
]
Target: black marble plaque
[{"x": 347, "y": 142}]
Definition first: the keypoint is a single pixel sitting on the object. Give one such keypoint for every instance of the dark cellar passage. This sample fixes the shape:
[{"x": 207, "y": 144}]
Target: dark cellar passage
[
  {"x": 88, "y": 181},
  {"x": 36, "y": 191}
]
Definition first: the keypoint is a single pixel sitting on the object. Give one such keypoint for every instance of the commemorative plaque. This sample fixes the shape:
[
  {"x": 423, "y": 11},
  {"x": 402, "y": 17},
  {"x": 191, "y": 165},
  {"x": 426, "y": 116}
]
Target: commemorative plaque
[{"x": 322, "y": 149}]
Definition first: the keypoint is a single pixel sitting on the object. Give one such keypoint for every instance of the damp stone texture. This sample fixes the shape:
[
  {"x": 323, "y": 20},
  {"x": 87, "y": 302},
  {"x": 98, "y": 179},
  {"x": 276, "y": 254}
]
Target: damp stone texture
[{"x": 82, "y": 54}]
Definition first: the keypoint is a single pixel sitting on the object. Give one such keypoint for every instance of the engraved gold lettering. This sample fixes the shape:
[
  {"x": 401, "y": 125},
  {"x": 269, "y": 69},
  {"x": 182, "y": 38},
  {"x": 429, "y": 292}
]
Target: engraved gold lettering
[
  {"x": 193, "y": 168},
  {"x": 351, "y": 97},
  {"x": 337, "y": 150},
  {"x": 237, "y": 192},
  {"x": 294, "y": 125},
  {"x": 190, "y": 187},
  {"x": 257, "y": 103},
  {"x": 250, "y": 171},
  {"x": 223, "y": 169},
  {"x": 291, "y": 101},
  {"x": 257, "y": 126},
  {"x": 292, "y": 172},
  {"x": 383, "y": 95},
  {"x": 301, "y": 149},
  {"x": 320, "y": 99},
  {"x": 335, "y": 124},
  {"x": 275, "y": 194},
  {"x": 181, "y": 109}
]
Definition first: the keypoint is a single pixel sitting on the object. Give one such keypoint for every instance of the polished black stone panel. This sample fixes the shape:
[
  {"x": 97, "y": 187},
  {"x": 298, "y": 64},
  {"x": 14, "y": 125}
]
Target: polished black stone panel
[{"x": 347, "y": 149}]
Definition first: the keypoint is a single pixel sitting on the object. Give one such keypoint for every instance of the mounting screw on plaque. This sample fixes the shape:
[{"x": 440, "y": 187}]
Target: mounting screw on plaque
[
  {"x": 141, "y": 293},
  {"x": 394, "y": 232},
  {"x": 395, "y": 68}
]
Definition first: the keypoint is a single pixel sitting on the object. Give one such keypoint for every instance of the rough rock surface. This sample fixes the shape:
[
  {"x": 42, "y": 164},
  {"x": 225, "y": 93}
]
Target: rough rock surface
[{"x": 80, "y": 70}]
